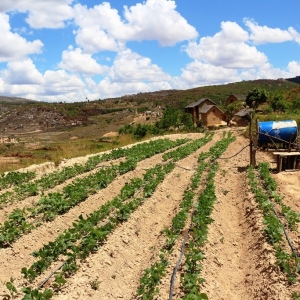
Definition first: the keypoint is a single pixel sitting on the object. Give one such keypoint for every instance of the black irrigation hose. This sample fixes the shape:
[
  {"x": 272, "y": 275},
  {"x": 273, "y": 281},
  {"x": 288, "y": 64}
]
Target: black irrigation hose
[
  {"x": 187, "y": 169},
  {"x": 182, "y": 251},
  {"x": 178, "y": 263},
  {"x": 235, "y": 154},
  {"x": 186, "y": 235},
  {"x": 47, "y": 279},
  {"x": 285, "y": 232}
]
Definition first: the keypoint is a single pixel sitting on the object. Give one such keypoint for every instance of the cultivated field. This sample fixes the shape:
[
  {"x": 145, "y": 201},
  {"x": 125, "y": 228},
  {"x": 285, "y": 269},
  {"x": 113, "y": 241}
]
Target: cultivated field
[{"x": 176, "y": 217}]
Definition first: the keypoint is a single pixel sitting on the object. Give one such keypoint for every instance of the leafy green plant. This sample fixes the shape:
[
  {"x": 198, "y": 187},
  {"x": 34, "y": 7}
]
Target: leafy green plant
[
  {"x": 35, "y": 294},
  {"x": 11, "y": 287}
]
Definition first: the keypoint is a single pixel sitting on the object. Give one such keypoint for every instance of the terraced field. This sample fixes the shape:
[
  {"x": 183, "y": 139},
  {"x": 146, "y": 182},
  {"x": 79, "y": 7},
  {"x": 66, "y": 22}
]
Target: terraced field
[{"x": 176, "y": 217}]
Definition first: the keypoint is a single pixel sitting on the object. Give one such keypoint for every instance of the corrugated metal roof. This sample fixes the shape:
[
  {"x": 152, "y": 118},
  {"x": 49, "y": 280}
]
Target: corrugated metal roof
[{"x": 198, "y": 102}]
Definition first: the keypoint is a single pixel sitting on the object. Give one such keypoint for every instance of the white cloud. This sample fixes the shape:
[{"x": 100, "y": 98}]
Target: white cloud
[
  {"x": 60, "y": 82},
  {"x": 12, "y": 45},
  {"x": 78, "y": 62},
  {"x": 264, "y": 34},
  {"x": 101, "y": 27},
  {"x": 132, "y": 67},
  {"x": 267, "y": 71},
  {"x": 22, "y": 73},
  {"x": 200, "y": 74},
  {"x": 41, "y": 14},
  {"x": 227, "y": 48},
  {"x": 294, "y": 68},
  {"x": 24, "y": 80},
  {"x": 131, "y": 73},
  {"x": 158, "y": 20},
  {"x": 108, "y": 88},
  {"x": 93, "y": 40},
  {"x": 95, "y": 25}
]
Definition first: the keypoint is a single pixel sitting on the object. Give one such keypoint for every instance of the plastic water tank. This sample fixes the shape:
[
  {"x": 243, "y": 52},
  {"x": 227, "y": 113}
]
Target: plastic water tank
[{"x": 277, "y": 131}]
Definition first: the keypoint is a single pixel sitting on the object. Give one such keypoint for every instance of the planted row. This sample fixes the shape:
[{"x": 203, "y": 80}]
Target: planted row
[
  {"x": 189, "y": 148},
  {"x": 292, "y": 217},
  {"x": 88, "y": 234},
  {"x": 22, "y": 221},
  {"x": 13, "y": 178},
  {"x": 24, "y": 189},
  {"x": 274, "y": 228}
]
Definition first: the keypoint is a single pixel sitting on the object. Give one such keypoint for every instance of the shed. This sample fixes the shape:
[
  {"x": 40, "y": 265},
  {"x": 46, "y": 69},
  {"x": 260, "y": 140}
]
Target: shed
[
  {"x": 195, "y": 107},
  {"x": 233, "y": 98}
]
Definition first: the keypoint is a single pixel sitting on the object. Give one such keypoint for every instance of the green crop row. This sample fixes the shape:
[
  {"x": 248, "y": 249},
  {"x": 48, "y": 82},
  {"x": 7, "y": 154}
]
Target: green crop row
[
  {"x": 87, "y": 236},
  {"x": 288, "y": 262},
  {"x": 22, "y": 221},
  {"x": 24, "y": 189},
  {"x": 182, "y": 152},
  {"x": 191, "y": 280},
  {"x": 13, "y": 178},
  {"x": 292, "y": 217}
]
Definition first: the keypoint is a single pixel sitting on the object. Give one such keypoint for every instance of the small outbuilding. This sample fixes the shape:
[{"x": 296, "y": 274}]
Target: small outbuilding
[
  {"x": 211, "y": 115},
  {"x": 234, "y": 98}
]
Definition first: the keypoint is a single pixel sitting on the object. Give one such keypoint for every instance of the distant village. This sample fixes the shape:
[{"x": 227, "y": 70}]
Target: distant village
[{"x": 204, "y": 112}]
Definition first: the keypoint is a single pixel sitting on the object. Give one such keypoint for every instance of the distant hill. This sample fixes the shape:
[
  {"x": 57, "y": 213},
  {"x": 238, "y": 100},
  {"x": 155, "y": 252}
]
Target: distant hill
[
  {"x": 9, "y": 99},
  {"x": 294, "y": 79},
  {"x": 19, "y": 115}
]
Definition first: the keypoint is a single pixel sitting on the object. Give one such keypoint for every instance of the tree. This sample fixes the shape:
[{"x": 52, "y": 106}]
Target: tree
[
  {"x": 256, "y": 97},
  {"x": 230, "y": 110},
  {"x": 277, "y": 102}
]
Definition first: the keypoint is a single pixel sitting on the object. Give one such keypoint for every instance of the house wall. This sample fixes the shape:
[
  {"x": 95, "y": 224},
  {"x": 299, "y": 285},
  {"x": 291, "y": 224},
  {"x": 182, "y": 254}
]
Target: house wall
[{"x": 212, "y": 117}]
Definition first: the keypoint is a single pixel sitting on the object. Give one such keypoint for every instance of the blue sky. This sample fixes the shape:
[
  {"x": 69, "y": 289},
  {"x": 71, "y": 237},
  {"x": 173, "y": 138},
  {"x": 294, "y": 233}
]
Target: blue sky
[{"x": 70, "y": 50}]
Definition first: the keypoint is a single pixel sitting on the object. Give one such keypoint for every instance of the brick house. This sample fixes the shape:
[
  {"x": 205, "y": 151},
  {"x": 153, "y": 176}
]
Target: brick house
[{"x": 205, "y": 111}]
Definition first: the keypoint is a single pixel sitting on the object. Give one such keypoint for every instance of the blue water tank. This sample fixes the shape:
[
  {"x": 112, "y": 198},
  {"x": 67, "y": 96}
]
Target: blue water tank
[{"x": 277, "y": 131}]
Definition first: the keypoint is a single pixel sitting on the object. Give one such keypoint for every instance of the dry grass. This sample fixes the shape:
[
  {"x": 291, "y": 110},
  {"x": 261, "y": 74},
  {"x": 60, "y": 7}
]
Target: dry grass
[{"x": 17, "y": 156}]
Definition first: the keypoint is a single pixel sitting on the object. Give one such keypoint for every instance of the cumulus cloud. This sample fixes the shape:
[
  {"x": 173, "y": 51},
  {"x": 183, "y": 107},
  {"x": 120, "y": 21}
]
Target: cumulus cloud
[
  {"x": 22, "y": 73},
  {"x": 60, "y": 82},
  {"x": 227, "y": 48},
  {"x": 41, "y": 14},
  {"x": 96, "y": 27},
  {"x": 264, "y": 34},
  {"x": 78, "y": 62},
  {"x": 23, "y": 79},
  {"x": 102, "y": 28},
  {"x": 267, "y": 71},
  {"x": 132, "y": 73},
  {"x": 12, "y": 45},
  {"x": 197, "y": 73},
  {"x": 132, "y": 67},
  {"x": 148, "y": 21},
  {"x": 294, "y": 68}
]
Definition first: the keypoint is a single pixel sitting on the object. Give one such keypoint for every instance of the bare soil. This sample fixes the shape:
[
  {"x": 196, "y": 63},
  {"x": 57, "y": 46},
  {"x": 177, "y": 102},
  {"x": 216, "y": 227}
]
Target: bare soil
[{"x": 239, "y": 263}]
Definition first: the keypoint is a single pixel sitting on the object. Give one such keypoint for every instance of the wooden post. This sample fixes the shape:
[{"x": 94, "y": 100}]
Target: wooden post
[
  {"x": 194, "y": 116},
  {"x": 252, "y": 145}
]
